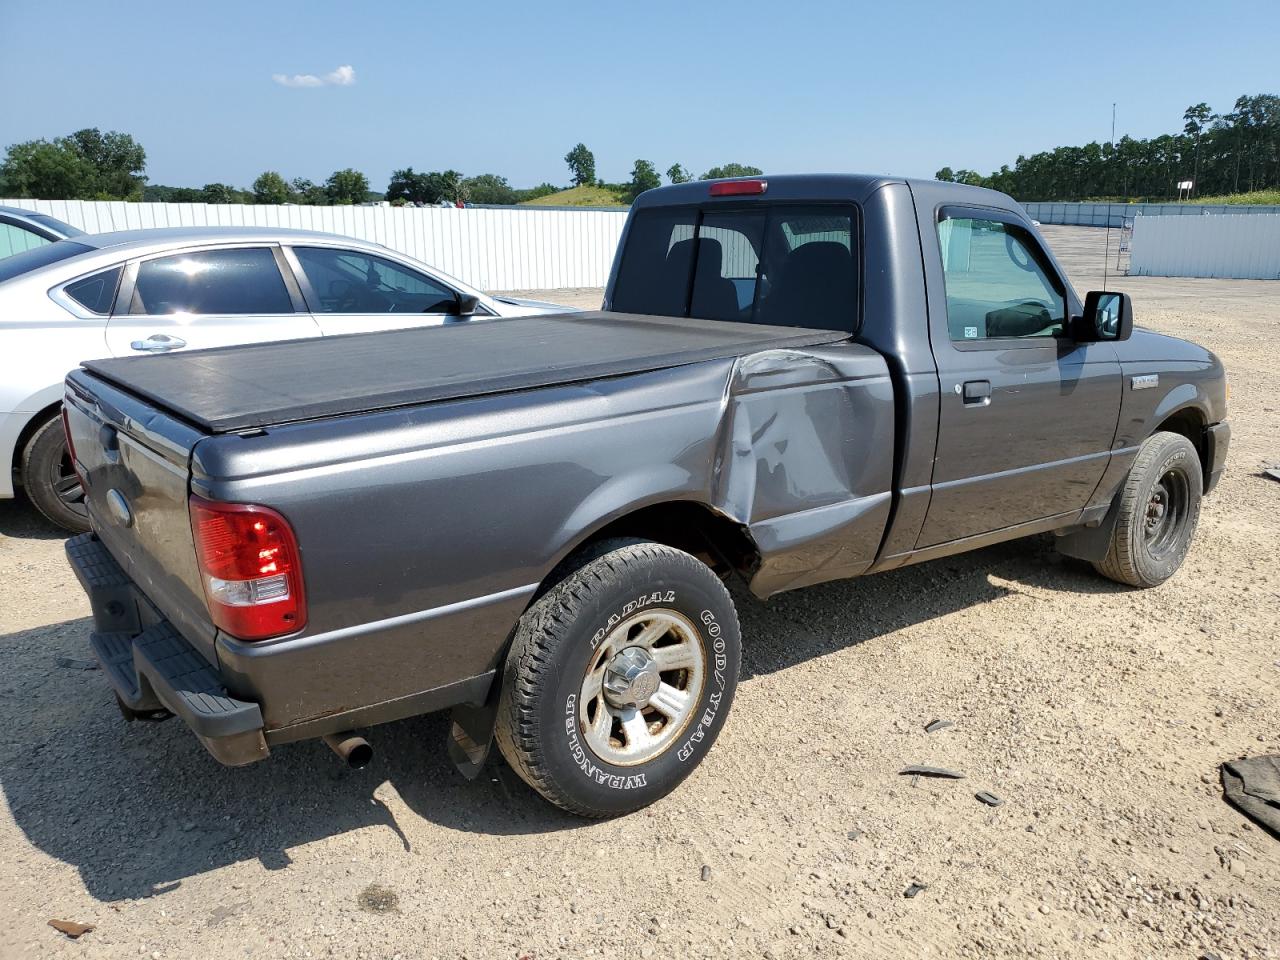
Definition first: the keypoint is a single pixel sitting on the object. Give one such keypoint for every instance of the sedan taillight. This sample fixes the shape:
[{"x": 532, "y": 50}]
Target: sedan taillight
[
  {"x": 66, "y": 433},
  {"x": 251, "y": 568}
]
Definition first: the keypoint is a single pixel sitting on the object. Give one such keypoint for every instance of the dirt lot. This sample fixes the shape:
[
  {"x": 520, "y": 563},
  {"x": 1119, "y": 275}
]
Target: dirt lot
[{"x": 1098, "y": 713}]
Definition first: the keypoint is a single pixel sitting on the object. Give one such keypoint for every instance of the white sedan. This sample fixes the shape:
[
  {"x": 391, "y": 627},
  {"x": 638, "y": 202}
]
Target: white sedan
[{"x": 154, "y": 291}]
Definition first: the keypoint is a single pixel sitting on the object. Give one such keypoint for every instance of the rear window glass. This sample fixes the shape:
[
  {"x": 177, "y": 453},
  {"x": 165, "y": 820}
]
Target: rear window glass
[
  {"x": 53, "y": 223},
  {"x": 785, "y": 265},
  {"x": 236, "y": 281},
  {"x": 38, "y": 257},
  {"x": 96, "y": 293}
]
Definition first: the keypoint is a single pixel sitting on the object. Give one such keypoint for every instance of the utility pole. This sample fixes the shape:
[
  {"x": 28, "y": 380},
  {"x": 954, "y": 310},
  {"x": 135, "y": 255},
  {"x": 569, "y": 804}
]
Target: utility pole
[{"x": 1113, "y": 124}]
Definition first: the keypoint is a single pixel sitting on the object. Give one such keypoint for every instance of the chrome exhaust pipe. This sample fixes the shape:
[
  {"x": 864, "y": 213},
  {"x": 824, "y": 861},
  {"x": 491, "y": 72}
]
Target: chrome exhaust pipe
[{"x": 351, "y": 747}]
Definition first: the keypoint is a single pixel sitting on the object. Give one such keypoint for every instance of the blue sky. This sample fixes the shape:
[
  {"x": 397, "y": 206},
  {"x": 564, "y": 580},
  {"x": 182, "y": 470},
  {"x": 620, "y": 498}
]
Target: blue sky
[{"x": 509, "y": 87}]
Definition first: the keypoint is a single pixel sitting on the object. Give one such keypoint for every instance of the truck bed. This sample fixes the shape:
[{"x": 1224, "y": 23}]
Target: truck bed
[{"x": 246, "y": 387}]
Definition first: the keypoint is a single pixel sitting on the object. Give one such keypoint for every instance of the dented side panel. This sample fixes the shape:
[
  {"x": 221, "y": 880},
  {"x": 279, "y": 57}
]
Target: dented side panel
[{"x": 807, "y": 461}]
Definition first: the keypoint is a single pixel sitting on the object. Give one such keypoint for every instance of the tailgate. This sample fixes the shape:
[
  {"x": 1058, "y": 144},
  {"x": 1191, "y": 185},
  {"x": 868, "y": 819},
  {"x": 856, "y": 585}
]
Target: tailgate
[{"x": 135, "y": 462}]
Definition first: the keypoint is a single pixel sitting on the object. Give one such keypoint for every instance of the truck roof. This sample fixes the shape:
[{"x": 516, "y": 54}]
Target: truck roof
[
  {"x": 811, "y": 187},
  {"x": 250, "y": 386}
]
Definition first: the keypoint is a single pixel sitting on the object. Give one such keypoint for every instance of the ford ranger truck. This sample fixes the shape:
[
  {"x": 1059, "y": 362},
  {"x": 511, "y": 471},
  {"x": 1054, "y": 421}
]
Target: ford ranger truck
[{"x": 530, "y": 522}]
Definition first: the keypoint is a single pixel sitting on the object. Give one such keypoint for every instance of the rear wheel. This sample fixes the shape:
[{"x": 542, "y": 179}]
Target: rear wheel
[
  {"x": 1159, "y": 510},
  {"x": 619, "y": 679},
  {"x": 51, "y": 481}
]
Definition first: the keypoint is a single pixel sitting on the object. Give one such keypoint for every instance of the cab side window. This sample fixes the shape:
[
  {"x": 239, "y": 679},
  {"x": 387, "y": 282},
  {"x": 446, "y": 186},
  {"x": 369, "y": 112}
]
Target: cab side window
[{"x": 998, "y": 283}]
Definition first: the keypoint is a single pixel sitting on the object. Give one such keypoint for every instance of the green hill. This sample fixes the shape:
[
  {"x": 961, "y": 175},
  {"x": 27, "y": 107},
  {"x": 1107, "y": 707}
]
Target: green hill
[
  {"x": 1258, "y": 196},
  {"x": 579, "y": 197}
]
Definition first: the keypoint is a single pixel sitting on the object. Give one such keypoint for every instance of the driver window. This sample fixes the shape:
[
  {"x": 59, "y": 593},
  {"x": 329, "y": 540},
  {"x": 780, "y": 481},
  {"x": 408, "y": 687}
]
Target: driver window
[
  {"x": 348, "y": 281},
  {"x": 997, "y": 283}
]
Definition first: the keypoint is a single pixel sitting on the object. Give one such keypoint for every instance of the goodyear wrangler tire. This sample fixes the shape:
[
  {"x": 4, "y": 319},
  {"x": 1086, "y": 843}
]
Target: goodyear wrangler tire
[
  {"x": 1159, "y": 510},
  {"x": 619, "y": 678}
]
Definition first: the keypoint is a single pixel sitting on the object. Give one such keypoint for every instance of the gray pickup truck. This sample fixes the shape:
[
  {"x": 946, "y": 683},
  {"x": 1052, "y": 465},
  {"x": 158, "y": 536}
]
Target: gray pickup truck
[{"x": 530, "y": 521}]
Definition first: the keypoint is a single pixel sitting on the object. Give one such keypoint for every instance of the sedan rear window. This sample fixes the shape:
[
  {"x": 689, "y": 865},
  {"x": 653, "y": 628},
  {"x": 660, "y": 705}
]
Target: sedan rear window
[
  {"x": 38, "y": 257},
  {"x": 96, "y": 292},
  {"x": 784, "y": 265}
]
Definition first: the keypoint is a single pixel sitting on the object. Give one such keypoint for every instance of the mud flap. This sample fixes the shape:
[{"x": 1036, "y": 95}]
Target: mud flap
[
  {"x": 471, "y": 733},
  {"x": 1091, "y": 543}
]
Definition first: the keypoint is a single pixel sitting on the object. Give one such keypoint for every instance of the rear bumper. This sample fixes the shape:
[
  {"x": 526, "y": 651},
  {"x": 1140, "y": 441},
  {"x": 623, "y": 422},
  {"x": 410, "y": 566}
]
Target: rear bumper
[
  {"x": 1217, "y": 439},
  {"x": 153, "y": 670}
]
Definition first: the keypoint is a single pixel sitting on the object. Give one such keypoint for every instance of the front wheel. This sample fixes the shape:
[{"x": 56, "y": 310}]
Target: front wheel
[
  {"x": 1159, "y": 509},
  {"x": 51, "y": 481},
  {"x": 619, "y": 679}
]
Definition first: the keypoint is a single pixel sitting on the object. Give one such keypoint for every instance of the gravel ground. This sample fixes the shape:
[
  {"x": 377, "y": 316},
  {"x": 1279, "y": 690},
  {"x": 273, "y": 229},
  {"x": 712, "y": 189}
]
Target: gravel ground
[{"x": 1099, "y": 714}]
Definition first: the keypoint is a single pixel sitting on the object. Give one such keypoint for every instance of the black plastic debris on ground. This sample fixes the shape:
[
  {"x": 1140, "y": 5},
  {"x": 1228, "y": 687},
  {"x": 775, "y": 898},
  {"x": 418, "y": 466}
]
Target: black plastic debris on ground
[
  {"x": 73, "y": 664},
  {"x": 989, "y": 798},
  {"x": 914, "y": 889},
  {"x": 918, "y": 771},
  {"x": 937, "y": 725},
  {"x": 1252, "y": 786}
]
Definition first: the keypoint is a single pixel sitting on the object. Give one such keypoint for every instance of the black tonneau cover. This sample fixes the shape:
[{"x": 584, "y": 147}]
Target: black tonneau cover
[{"x": 230, "y": 389}]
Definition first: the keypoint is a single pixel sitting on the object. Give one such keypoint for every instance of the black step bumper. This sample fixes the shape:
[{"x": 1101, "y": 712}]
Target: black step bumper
[{"x": 153, "y": 669}]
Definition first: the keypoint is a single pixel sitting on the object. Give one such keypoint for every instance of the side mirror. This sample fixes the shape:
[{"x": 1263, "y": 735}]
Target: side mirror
[
  {"x": 1107, "y": 316},
  {"x": 467, "y": 304}
]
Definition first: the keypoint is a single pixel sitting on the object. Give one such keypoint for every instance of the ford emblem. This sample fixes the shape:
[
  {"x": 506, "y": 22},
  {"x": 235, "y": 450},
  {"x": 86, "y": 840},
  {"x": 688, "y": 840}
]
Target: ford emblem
[{"x": 119, "y": 508}]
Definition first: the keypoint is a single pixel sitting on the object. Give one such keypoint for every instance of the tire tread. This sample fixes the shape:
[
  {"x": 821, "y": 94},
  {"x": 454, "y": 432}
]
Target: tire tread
[
  {"x": 1120, "y": 564},
  {"x": 543, "y": 627},
  {"x": 43, "y": 499}
]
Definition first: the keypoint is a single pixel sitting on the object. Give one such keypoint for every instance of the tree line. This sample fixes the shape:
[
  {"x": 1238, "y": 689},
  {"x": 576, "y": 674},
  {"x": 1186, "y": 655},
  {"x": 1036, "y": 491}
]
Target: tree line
[
  {"x": 644, "y": 175},
  {"x": 91, "y": 165},
  {"x": 1237, "y": 151}
]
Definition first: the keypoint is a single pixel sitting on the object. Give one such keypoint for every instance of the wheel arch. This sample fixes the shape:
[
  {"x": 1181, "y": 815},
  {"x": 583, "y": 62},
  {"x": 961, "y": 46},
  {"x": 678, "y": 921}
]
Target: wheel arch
[
  {"x": 1190, "y": 421},
  {"x": 691, "y": 525},
  {"x": 721, "y": 542},
  {"x": 28, "y": 430}
]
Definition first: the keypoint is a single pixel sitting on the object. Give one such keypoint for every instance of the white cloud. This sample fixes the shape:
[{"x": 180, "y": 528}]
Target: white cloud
[{"x": 344, "y": 76}]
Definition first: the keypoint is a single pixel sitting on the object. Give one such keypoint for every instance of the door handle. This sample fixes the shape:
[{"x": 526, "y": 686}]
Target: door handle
[
  {"x": 159, "y": 343},
  {"x": 976, "y": 393}
]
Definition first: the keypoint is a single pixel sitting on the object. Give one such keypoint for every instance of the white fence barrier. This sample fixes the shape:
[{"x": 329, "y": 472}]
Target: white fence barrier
[
  {"x": 1238, "y": 247},
  {"x": 518, "y": 248},
  {"x": 1115, "y": 214}
]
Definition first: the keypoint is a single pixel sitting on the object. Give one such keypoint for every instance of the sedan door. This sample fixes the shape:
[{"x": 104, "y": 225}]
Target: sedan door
[
  {"x": 351, "y": 291},
  {"x": 207, "y": 297}
]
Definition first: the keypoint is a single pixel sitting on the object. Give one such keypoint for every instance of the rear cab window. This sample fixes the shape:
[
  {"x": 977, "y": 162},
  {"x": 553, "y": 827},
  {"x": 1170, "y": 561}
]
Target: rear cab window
[{"x": 793, "y": 265}]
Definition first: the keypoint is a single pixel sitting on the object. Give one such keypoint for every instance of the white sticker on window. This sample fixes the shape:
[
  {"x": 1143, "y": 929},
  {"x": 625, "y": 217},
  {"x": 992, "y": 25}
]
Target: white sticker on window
[{"x": 971, "y": 333}]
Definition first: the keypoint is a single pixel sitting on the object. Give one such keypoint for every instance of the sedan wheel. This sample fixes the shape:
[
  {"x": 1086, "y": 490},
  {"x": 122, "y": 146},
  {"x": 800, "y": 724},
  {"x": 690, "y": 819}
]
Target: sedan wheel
[{"x": 51, "y": 481}]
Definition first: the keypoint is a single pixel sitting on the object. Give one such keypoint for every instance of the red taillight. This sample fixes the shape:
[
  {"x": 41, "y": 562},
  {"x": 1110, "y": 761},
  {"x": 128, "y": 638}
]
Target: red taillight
[
  {"x": 251, "y": 568},
  {"x": 738, "y": 188},
  {"x": 66, "y": 432}
]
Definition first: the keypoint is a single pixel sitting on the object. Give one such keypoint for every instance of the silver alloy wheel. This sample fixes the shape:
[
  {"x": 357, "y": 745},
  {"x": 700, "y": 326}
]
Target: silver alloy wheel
[{"x": 641, "y": 687}]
